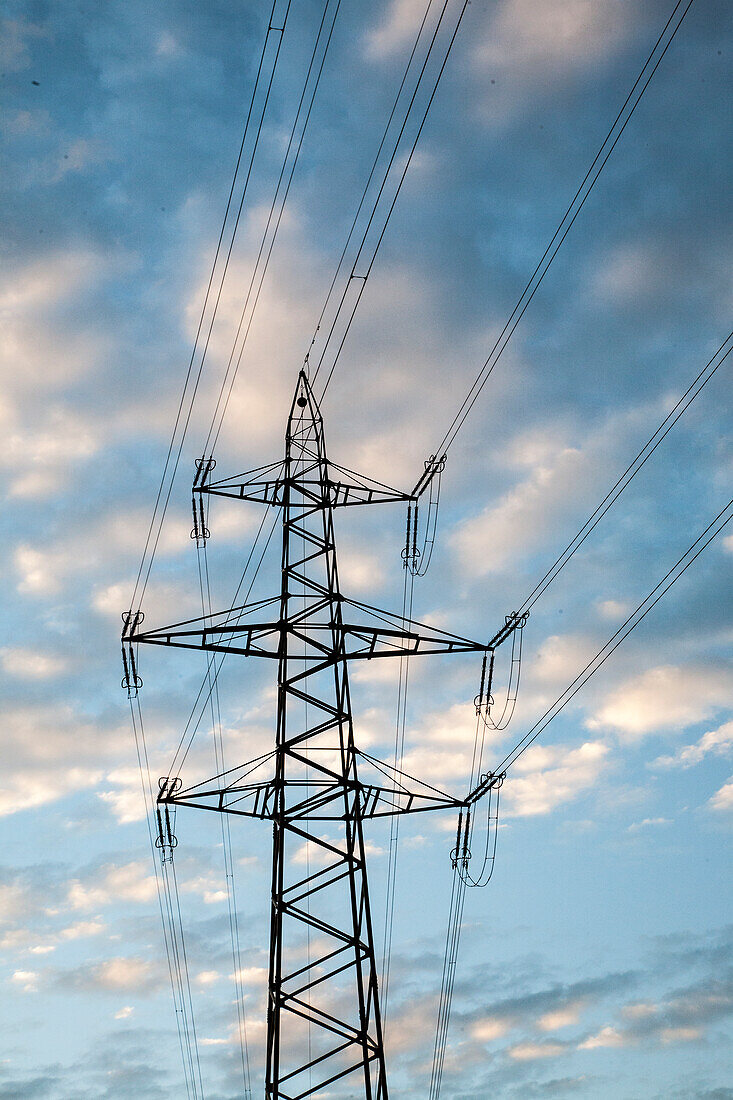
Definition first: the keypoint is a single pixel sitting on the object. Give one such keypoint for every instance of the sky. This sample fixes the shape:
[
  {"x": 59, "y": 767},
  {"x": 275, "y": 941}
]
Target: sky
[{"x": 598, "y": 963}]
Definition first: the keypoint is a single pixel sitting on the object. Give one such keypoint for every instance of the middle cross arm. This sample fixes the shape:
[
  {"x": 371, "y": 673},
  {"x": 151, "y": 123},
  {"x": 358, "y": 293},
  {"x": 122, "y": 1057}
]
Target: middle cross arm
[{"x": 386, "y": 635}]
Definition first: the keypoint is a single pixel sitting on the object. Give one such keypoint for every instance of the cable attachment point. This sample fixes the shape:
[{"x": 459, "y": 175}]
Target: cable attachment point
[
  {"x": 166, "y": 839},
  {"x": 131, "y": 681},
  {"x": 410, "y": 554},
  {"x": 484, "y": 699},
  {"x": 461, "y": 854},
  {"x": 200, "y": 532}
]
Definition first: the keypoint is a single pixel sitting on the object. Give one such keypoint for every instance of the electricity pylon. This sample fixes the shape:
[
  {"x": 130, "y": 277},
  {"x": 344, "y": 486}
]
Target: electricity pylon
[{"x": 323, "y": 1017}]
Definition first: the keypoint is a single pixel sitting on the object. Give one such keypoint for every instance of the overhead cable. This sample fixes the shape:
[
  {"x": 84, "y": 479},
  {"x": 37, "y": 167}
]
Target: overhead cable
[
  {"x": 370, "y": 177},
  {"x": 640, "y": 612},
  {"x": 631, "y": 470},
  {"x": 609, "y": 143},
  {"x": 369, "y": 256},
  {"x": 305, "y": 107},
  {"x": 226, "y": 838},
  {"x": 265, "y": 74}
]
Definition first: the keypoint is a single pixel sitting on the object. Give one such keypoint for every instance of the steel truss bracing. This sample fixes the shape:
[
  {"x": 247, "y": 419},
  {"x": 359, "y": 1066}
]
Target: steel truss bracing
[{"x": 323, "y": 1025}]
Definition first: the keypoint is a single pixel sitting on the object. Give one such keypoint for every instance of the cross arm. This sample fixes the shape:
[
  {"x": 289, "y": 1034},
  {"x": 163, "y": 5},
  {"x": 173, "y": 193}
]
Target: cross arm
[
  {"x": 314, "y": 801},
  {"x": 267, "y": 485},
  {"x": 324, "y": 642}
]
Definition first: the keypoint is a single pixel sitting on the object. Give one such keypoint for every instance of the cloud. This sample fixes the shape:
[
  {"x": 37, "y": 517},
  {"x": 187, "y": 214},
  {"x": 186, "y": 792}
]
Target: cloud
[
  {"x": 359, "y": 571},
  {"x": 718, "y": 742},
  {"x": 673, "y": 696},
  {"x": 123, "y": 974},
  {"x": 546, "y": 777},
  {"x": 46, "y": 452},
  {"x": 647, "y": 823},
  {"x": 722, "y": 800},
  {"x": 490, "y": 1028},
  {"x": 126, "y": 799},
  {"x": 629, "y": 274},
  {"x": 533, "y": 44},
  {"x": 14, "y": 42},
  {"x": 530, "y": 1052},
  {"x": 29, "y": 664},
  {"x": 525, "y": 516},
  {"x": 129, "y": 882},
  {"x": 606, "y": 1037},
  {"x": 558, "y": 1018},
  {"x": 207, "y": 977},
  {"x": 25, "y": 980},
  {"x": 680, "y": 1018},
  {"x": 50, "y": 752},
  {"x": 397, "y": 28},
  {"x": 614, "y": 610}
]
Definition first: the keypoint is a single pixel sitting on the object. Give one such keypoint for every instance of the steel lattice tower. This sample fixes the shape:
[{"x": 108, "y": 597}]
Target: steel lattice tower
[{"x": 323, "y": 1019}]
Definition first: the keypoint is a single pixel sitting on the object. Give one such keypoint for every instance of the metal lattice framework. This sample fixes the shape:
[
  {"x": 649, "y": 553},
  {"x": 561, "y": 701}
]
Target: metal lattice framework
[{"x": 323, "y": 1024}]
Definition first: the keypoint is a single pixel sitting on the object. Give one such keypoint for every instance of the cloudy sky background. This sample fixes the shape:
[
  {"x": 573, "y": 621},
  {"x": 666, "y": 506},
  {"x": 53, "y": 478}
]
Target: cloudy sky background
[{"x": 598, "y": 962}]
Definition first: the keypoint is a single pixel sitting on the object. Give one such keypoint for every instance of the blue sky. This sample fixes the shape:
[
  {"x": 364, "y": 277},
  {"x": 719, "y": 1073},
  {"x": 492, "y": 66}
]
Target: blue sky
[{"x": 597, "y": 964}]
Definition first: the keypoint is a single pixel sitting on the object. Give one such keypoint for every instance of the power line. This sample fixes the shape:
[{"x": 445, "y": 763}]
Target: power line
[
  {"x": 631, "y": 470},
  {"x": 362, "y": 279},
  {"x": 226, "y": 839},
  {"x": 460, "y": 880},
  {"x": 156, "y": 517},
  {"x": 640, "y": 612},
  {"x": 221, "y": 409},
  {"x": 576, "y": 205},
  {"x": 369, "y": 180}
]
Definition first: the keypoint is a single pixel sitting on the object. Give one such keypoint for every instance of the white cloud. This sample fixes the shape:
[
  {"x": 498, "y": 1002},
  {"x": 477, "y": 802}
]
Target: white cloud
[
  {"x": 722, "y": 800},
  {"x": 530, "y": 1052},
  {"x": 491, "y": 1028},
  {"x": 398, "y": 27},
  {"x": 628, "y": 273},
  {"x": 45, "y": 452},
  {"x": 314, "y": 855},
  {"x": 251, "y": 975},
  {"x": 530, "y": 44},
  {"x": 26, "y": 980},
  {"x": 130, "y": 882},
  {"x": 669, "y": 1035},
  {"x": 359, "y": 572},
  {"x": 558, "y": 1018},
  {"x": 606, "y": 1037},
  {"x": 718, "y": 742},
  {"x": 32, "y": 787},
  {"x": 49, "y": 752},
  {"x": 647, "y": 823},
  {"x": 544, "y": 778},
  {"x": 538, "y": 506},
  {"x": 208, "y": 886},
  {"x": 121, "y": 974},
  {"x": 559, "y": 659},
  {"x": 43, "y": 283},
  {"x": 207, "y": 977},
  {"x": 440, "y": 750},
  {"x": 110, "y": 540},
  {"x": 29, "y": 664},
  {"x": 641, "y": 1010},
  {"x": 613, "y": 610},
  {"x": 664, "y": 697},
  {"x": 82, "y": 929},
  {"x": 124, "y": 1013},
  {"x": 14, "y": 42}
]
